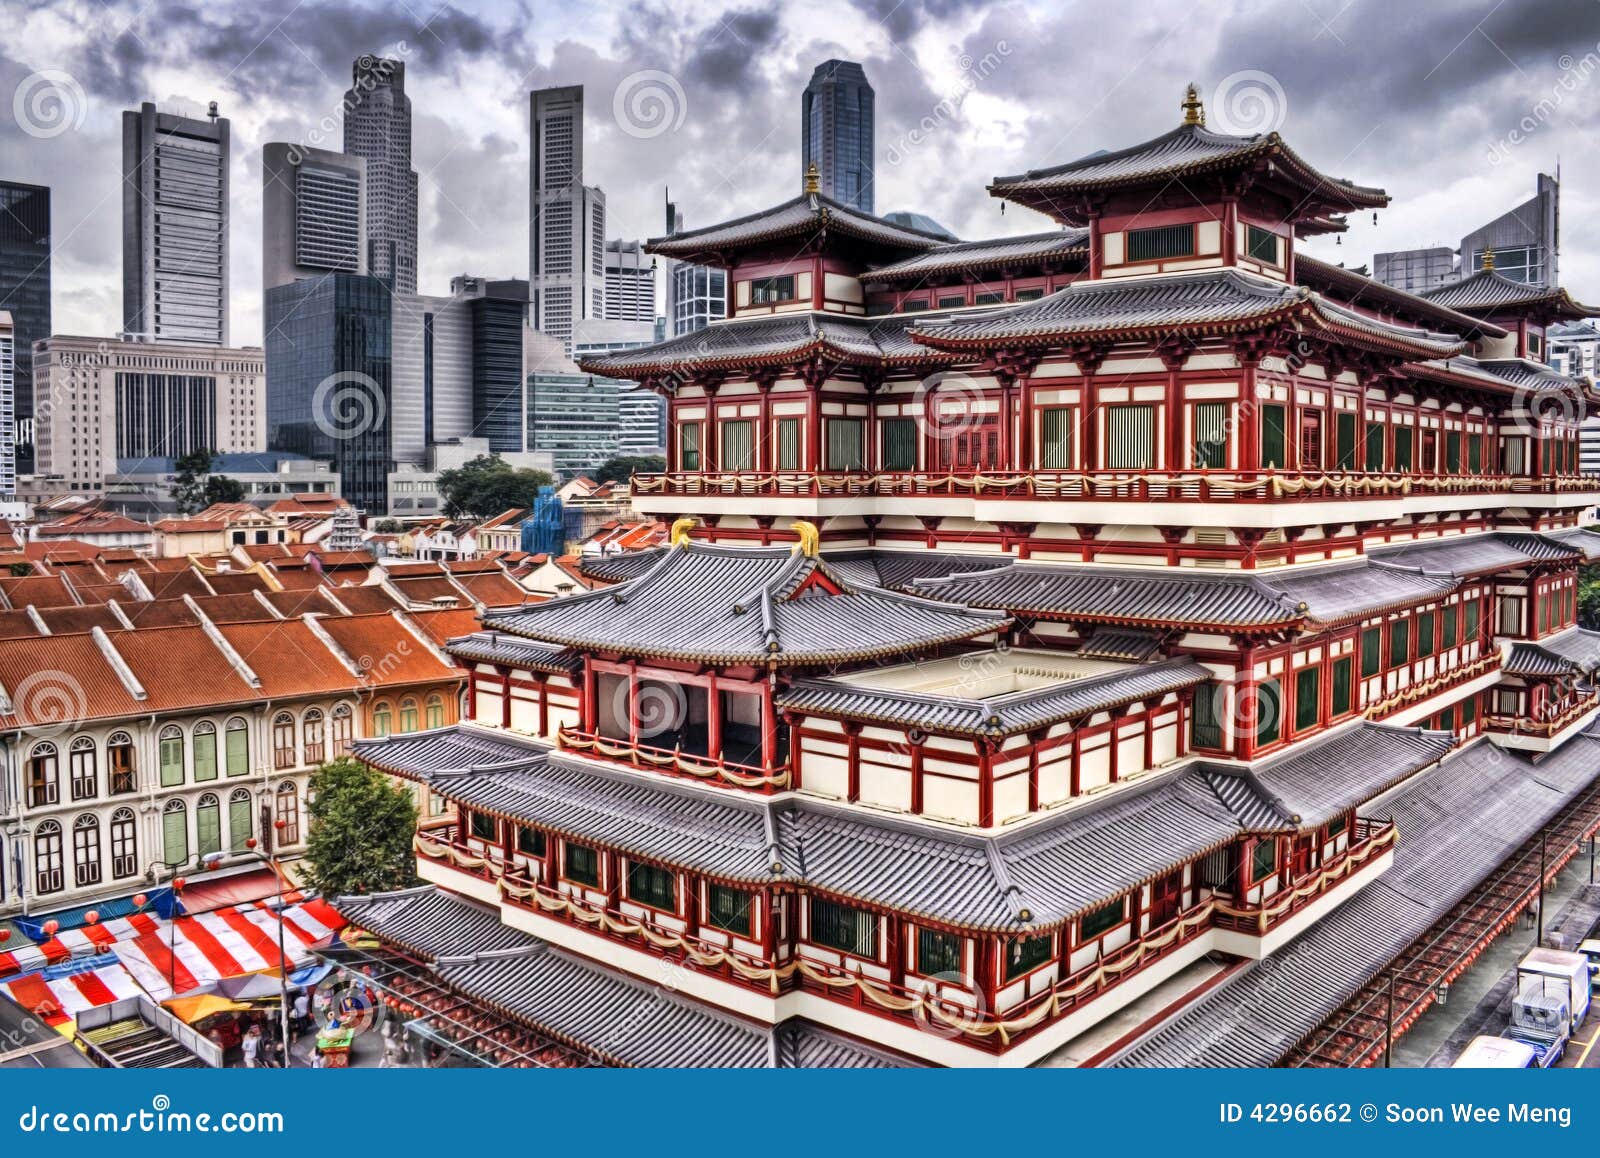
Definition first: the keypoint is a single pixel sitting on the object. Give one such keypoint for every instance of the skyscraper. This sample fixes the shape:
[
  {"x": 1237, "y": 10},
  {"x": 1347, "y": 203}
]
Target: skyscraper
[
  {"x": 8, "y": 382},
  {"x": 313, "y": 213},
  {"x": 175, "y": 226},
  {"x": 836, "y": 132},
  {"x": 1525, "y": 240},
  {"x": 566, "y": 218},
  {"x": 25, "y": 295},
  {"x": 630, "y": 289},
  {"x": 377, "y": 128},
  {"x": 697, "y": 295}
]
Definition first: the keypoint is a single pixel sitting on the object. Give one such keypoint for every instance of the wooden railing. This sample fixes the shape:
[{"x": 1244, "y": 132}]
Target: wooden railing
[
  {"x": 1368, "y": 839},
  {"x": 1104, "y": 486},
  {"x": 1545, "y": 728},
  {"x": 675, "y": 762},
  {"x": 1439, "y": 684}
]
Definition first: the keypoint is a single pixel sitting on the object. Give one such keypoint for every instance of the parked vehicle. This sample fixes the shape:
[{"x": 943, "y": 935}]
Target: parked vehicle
[
  {"x": 1568, "y": 976},
  {"x": 1591, "y": 950},
  {"x": 1496, "y": 1053}
]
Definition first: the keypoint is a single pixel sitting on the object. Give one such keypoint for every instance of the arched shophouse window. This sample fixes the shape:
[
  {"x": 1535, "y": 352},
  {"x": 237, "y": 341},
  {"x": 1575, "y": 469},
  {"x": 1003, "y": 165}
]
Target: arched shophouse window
[
  {"x": 435, "y": 711},
  {"x": 241, "y": 822},
  {"x": 344, "y": 732},
  {"x": 81, "y": 762},
  {"x": 208, "y": 824},
  {"x": 124, "y": 844},
  {"x": 408, "y": 714},
  {"x": 288, "y": 811},
  {"x": 44, "y": 776},
  {"x": 205, "y": 751},
  {"x": 120, "y": 767},
  {"x": 312, "y": 732},
  {"x": 382, "y": 719},
  {"x": 47, "y": 867},
  {"x": 174, "y": 834},
  {"x": 171, "y": 750},
  {"x": 236, "y": 738},
  {"x": 86, "y": 850},
  {"x": 283, "y": 740}
]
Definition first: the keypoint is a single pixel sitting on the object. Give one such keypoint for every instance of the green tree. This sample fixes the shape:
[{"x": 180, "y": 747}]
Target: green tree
[
  {"x": 487, "y": 485},
  {"x": 361, "y": 829},
  {"x": 222, "y": 489},
  {"x": 1589, "y": 598},
  {"x": 624, "y": 467},
  {"x": 189, "y": 487}
]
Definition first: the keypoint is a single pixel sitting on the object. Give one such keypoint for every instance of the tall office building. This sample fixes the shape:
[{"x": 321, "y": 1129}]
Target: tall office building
[
  {"x": 1416, "y": 270},
  {"x": 329, "y": 364},
  {"x": 566, "y": 218},
  {"x": 8, "y": 412},
  {"x": 836, "y": 132},
  {"x": 25, "y": 295},
  {"x": 1526, "y": 243},
  {"x": 377, "y": 128},
  {"x": 697, "y": 295},
  {"x": 630, "y": 287},
  {"x": 313, "y": 213},
  {"x": 101, "y": 401},
  {"x": 175, "y": 226}
]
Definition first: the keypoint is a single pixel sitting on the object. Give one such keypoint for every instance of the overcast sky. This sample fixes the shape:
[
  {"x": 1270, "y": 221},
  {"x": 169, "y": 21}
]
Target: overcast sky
[{"x": 1454, "y": 107}]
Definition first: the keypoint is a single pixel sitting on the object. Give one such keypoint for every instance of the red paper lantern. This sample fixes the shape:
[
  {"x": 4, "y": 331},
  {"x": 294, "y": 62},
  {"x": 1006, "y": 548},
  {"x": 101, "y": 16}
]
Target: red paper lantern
[
  {"x": 250, "y": 843},
  {"x": 51, "y": 926},
  {"x": 280, "y": 824},
  {"x": 92, "y": 917},
  {"x": 178, "y": 884},
  {"x": 5, "y": 935},
  {"x": 139, "y": 900}
]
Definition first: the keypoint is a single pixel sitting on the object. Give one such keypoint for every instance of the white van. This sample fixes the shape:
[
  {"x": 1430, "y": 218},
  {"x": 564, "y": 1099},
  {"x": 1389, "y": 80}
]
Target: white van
[
  {"x": 1569, "y": 973},
  {"x": 1495, "y": 1053}
]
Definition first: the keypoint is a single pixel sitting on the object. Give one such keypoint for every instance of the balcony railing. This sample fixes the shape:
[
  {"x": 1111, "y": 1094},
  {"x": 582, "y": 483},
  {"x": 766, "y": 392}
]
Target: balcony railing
[
  {"x": 443, "y": 845},
  {"x": 674, "y": 761},
  {"x": 1545, "y": 728},
  {"x": 1369, "y": 838},
  {"x": 1426, "y": 689},
  {"x": 1103, "y": 486}
]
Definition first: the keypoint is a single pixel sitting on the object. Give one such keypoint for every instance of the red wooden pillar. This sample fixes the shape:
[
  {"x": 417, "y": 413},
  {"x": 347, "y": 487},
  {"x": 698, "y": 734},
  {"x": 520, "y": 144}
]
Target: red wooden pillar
[
  {"x": 985, "y": 783},
  {"x": 988, "y": 970},
  {"x": 1006, "y": 409},
  {"x": 794, "y": 724},
  {"x": 691, "y": 906},
  {"x": 1088, "y": 433},
  {"x": 1025, "y": 433},
  {"x": 611, "y": 867},
  {"x": 852, "y": 733},
  {"x": 917, "y": 746},
  {"x": 713, "y": 718},
  {"x": 633, "y": 702},
  {"x": 591, "y": 696},
  {"x": 1076, "y": 772},
  {"x": 769, "y": 730},
  {"x": 895, "y": 943},
  {"x": 543, "y": 682},
  {"x": 1034, "y": 740},
  {"x": 505, "y": 698}
]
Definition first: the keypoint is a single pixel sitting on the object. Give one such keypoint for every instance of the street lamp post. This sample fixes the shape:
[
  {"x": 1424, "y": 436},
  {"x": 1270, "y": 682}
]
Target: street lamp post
[{"x": 250, "y": 850}]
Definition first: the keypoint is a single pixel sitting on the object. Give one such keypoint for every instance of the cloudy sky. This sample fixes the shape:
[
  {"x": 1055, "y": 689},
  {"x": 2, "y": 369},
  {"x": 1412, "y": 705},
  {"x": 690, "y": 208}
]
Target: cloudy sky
[{"x": 1454, "y": 106}]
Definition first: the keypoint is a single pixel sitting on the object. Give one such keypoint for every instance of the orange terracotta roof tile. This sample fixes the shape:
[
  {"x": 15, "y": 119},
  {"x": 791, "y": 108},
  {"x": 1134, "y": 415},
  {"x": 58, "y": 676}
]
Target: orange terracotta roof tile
[
  {"x": 363, "y": 600},
  {"x": 303, "y": 600},
  {"x": 67, "y": 620},
  {"x": 180, "y": 667},
  {"x": 232, "y": 608},
  {"x": 39, "y": 590},
  {"x": 55, "y": 677},
  {"x": 237, "y": 583},
  {"x": 144, "y": 613},
  {"x": 427, "y": 589},
  {"x": 289, "y": 658},
  {"x": 386, "y": 651},
  {"x": 17, "y": 625},
  {"x": 447, "y": 623},
  {"x": 496, "y": 590}
]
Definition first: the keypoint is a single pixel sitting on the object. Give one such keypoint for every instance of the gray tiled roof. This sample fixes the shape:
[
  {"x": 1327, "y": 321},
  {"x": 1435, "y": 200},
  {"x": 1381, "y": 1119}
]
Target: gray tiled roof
[
  {"x": 1457, "y": 823},
  {"x": 1187, "y": 150},
  {"x": 1572, "y": 650},
  {"x": 495, "y": 647},
  {"x": 990, "y": 253},
  {"x": 859, "y": 566},
  {"x": 452, "y": 749},
  {"x": 428, "y": 923},
  {"x": 1200, "y": 300},
  {"x": 998, "y": 715},
  {"x": 1355, "y": 590},
  {"x": 1532, "y": 375},
  {"x": 1489, "y": 290},
  {"x": 740, "y": 605},
  {"x": 1584, "y": 541},
  {"x": 807, "y": 215},
  {"x": 1130, "y": 644},
  {"x": 1464, "y": 556},
  {"x": 1359, "y": 290}
]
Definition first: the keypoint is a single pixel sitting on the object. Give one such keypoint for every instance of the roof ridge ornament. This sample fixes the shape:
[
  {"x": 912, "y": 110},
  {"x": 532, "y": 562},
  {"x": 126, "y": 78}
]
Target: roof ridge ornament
[
  {"x": 810, "y": 539},
  {"x": 1194, "y": 110},
  {"x": 813, "y": 179},
  {"x": 1488, "y": 258},
  {"x": 680, "y": 531}
]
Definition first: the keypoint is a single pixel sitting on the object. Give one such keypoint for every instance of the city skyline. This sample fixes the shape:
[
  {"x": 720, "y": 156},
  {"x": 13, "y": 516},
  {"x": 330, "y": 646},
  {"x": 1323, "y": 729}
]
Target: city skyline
[{"x": 971, "y": 92}]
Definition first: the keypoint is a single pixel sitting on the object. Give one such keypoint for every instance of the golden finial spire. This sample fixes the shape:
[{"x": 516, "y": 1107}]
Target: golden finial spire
[
  {"x": 1194, "y": 113},
  {"x": 1488, "y": 258},
  {"x": 681, "y": 528},
  {"x": 813, "y": 179},
  {"x": 810, "y": 541}
]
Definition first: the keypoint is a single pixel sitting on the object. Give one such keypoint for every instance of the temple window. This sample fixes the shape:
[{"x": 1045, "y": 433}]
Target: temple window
[
  {"x": 899, "y": 451},
  {"x": 766, "y": 291},
  {"x": 689, "y": 446},
  {"x": 1311, "y": 440},
  {"x": 1399, "y": 642},
  {"x": 788, "y": 444},
  {"x": 1274, "y": 437},
  {"x": 846, "y": 444},
  {"x": 952, "y": 301},
  {"x": 988, "y": 298},
  {"x": 1025, "y": 954},
  {"x": 1269, "y": 712},
  {"x": 1261, "y": 245},
  {"x": 937, "y": 953},
  {"x": 1375, "y": 441},
  {"x": 1211, "y": 436},
  {"x": 1447, "y": 625},
  {"x": 1452, "y": 452},
  {"x": 1307, "y": 698},
  {"x": 530, "y": 841},
  {"x": 1206, "y": 722},
  {"x": 652, "y": 886},
  {"x": 1130, "y": 437},
  {"x": 1424, "y": 634},
  {"x": 1029, "y": 295},
  {"x": 1344, "y": 440},
  {"x": 1343, "y": 700},
  {"x": 581, "y": 865},
  {"x": 1161, "y": 242},
  {"x": 482, "y": 827},
  {"x": 1371, "y": 652},
  {"x": 836, "y": 926},
  {"x": 729, "y": 909},
  {"x": 1263, "y": 859},
  {"x": 1102, "y": 920},
  {"x": 1403, "y": 440},
  {"x": 1470, "y": 615},
  {"x": 738, "y": 445}
]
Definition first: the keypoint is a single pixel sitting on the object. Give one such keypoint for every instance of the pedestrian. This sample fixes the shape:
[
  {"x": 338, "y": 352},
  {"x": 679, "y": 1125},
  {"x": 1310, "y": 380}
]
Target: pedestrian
[
  {"x": 302, "y": 1012},
  {"x": 252, "y": 1047}
]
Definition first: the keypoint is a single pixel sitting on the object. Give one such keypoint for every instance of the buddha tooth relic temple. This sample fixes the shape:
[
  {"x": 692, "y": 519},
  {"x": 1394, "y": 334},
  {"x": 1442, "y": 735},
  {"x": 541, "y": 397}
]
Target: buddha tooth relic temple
[{"x": 1111, "y": 645}]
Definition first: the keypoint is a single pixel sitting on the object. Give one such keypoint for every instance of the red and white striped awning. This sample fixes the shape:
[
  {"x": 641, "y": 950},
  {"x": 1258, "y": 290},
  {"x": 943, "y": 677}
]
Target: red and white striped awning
[
  {"x": 85, "y": 942},
  {"x": 230, "y": 942},
  {"x": 61, "y": 999}
]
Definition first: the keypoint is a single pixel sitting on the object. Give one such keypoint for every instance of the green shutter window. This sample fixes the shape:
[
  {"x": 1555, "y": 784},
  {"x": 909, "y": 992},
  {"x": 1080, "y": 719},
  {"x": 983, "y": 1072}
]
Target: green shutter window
[
  {"x": 738, "y": 445},
  {"x": 435, "y": 712},
  {"x": 1469, "y": 711},
  {"x": 1470, "y": 613},
  {"x": 836, "y": 926},
  {"x": 582, "y": 865},
  {"x": 1264, "y": 859},
  {"x": 1452, "y": 452},
  {"x": 1371, "y": 652},
  {"x": 846, "y": 444},
  {"x": 1474, "y": 454},
  {"x": 1274, "y": 444},
  {"x": 652, "y": 886},
  {"x": 1425, "y": 634},
  {"x": 1102, "y": 920},
  {"x": 530, "y": 840},
  {"x": 205, "y": 753},
  {"x": 1025, "y": 954},
  {"x": 1205, "y": 727},
  {"x": 1130, "y": 437},
  {"x": 899, "y": 443},
  {"x": 240, "y": 821},
  {"x": 1344, "y": 440},
  {"x": 1399, "y": 642},
  {"x": 1055, "y": 437},
  {"x": 1211, "y": 436},
  {"x": 1160, "y": 241},
  {"x": 171, "y": 761},
  {"x": 1402, "y": 449},
  {"x": 1261, "y": 244},
  {"x": 1307, "y": 698},
  {"x": 788, "y": 444},
  {"x": 938, "y": 953},
  {"x": 689, "y": 446},
  {"x": 1342, "y": 701},
  {"x": 1448, "y": 627},
  {"x": 1269, "y": 712},
  {"x": 729, "y": 909},
  {"x": 483, "y": 827},
  {"x": 1374, "y": 446},
  {"x": 175, "y": 835},
  {"x": 208, "y": 825},
  {"x": 238, "y": 748}
]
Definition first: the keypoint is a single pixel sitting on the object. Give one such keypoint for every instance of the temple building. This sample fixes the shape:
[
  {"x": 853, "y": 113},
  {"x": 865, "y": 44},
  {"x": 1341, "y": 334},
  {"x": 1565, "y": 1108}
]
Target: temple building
[{"x": 1055, "y": 630}]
